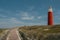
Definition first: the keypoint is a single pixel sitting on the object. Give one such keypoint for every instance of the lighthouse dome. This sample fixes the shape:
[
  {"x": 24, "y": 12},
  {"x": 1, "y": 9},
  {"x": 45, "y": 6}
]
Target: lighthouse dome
[{"x": 50, "y": 9}]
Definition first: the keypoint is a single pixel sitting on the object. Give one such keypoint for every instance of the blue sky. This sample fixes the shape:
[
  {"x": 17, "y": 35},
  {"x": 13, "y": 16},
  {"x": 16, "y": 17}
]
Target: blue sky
[{"x": 27, "y": 12}]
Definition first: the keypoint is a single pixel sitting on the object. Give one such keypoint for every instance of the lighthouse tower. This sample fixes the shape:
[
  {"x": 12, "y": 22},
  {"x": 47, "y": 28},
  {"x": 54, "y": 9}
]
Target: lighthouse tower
[{"x": 50, "y": 16}]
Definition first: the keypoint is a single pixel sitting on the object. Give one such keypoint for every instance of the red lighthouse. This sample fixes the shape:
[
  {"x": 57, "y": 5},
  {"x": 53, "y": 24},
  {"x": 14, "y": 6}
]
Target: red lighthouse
[{"x": 50, "y": 16}]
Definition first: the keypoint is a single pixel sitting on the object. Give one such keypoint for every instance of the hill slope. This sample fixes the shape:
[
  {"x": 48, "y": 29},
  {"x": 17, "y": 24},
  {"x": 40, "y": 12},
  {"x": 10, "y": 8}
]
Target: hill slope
[
  {"x": 40, "y": 32},
  {"x": 36, "y": 32}
]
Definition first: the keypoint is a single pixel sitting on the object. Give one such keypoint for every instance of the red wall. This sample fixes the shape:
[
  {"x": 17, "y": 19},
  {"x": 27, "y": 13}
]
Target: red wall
[{"x": 50, "y": 18}]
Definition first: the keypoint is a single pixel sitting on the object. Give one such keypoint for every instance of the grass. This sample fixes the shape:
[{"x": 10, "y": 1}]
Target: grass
[
  {"x": 39, "y": 30},
  {"x": 2, "y": 31},
  {"x": 36, "y": 31}
]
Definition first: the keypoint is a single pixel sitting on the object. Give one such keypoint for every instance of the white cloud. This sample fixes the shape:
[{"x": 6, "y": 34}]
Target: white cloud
[
  {"x": 14, "y": 20},
  {"x": 2, "y": 15},
  {"x": 31, "y": 8},
  {"x": 25, "y": 16},
  {"x": 28, "y": 18},
  {"x": 10, "y": 22},
  {"x": 39, "y": 17}
]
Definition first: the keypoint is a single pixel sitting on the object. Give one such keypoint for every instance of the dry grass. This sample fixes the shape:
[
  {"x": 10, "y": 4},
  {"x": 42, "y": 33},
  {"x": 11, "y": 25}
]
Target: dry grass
[{"x": 36, "y": 31}]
